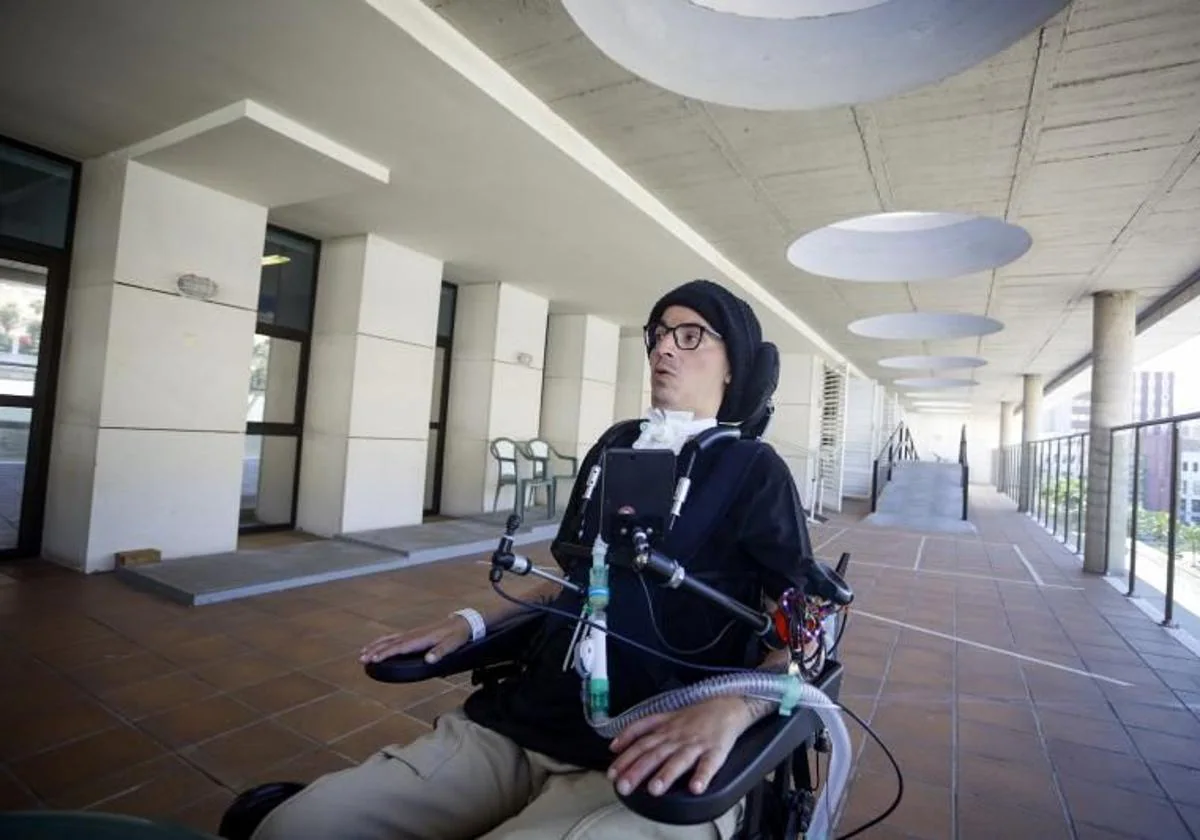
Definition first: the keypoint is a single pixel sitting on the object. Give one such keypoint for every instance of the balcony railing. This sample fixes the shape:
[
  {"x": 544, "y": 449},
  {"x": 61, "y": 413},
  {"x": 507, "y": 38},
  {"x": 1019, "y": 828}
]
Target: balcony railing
[
  {"x": 1152, "y": 522},
  {"x": 1155, "y": 475},
  {"x": 1058, "y": 482}
]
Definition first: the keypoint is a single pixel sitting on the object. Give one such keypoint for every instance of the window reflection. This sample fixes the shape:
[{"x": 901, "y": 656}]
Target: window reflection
[
  {"x": 274, "y": 380},
  {"x": 268, "y": 479},
  {"x": 14, "y": 447},
  {"x": 35, "y": 196},
  {"x": 285, "y": 295}
]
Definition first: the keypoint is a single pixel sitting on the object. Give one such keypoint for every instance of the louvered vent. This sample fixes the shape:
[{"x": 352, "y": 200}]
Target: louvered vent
[{"x": 832, "y": 451}]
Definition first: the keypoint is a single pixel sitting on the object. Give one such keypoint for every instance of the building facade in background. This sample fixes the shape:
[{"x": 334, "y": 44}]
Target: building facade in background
[{"x": 177, "y": 370}]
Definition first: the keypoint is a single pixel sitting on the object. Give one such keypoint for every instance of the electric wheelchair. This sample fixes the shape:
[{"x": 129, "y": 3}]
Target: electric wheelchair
[{"x": 769, "y": 768}]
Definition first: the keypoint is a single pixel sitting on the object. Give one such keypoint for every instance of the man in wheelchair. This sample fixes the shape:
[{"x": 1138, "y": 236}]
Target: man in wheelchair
[{"x": 520, "y": 759}]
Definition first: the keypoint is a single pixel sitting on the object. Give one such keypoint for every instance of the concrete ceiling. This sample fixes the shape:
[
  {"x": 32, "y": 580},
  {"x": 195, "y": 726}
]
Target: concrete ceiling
[
  {"x": 1086, "y": 133},
  {"x": 470, "y": 182}
]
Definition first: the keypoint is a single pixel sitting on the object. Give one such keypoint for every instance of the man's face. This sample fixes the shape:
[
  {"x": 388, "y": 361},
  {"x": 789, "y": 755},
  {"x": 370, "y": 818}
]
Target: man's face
[{"x": 688, "y": 366}]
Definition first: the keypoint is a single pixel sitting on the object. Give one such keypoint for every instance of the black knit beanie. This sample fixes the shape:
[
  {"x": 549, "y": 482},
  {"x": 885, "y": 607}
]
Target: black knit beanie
[{"x": 733, "y": 318}]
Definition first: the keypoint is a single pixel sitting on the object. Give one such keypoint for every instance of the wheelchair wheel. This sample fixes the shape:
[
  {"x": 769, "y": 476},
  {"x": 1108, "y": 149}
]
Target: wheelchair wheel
[{"x": 248, "y": 811}]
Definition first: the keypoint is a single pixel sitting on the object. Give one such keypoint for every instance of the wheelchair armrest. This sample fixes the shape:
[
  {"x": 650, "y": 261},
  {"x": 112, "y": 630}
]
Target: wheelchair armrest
[
  {"x": 760, "y": 750},
  {"x": 503, "y": 643}
]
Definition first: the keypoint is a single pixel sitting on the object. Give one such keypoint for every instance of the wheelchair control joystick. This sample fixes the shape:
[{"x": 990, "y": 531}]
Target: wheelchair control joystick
[
  {"x": 504, "y": 560},
  {"x": 512, "y": 524}
]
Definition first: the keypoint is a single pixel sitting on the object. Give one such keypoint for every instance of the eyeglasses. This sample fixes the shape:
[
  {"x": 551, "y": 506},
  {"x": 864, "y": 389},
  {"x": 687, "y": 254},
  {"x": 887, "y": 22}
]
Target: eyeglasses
[{"x": 687, "y": 336}]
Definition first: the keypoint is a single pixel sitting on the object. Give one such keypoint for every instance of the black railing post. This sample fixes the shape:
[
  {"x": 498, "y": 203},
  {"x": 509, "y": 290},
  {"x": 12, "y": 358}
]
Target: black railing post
[
  {"x": 966, "y": 479},
  {"x": 1057, "y": 482},
  {"x": 1173, "y": 524},
  {"x": 1133, "y": 528},
  {"x": 1036, "y": 455},
  {"x": 1045, "y": 484},
  {"x": 1084, "y": 448},
  {"x": 1041, "y": 496},
  {"x": 874, "y": 484},
  {"x": 1067, "y": 500},
  {"x": 1047, "y": 474}
]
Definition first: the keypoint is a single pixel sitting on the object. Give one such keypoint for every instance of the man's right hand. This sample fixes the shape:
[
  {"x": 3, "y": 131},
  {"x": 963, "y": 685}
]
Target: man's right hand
[{"x": 439, "y": 639}]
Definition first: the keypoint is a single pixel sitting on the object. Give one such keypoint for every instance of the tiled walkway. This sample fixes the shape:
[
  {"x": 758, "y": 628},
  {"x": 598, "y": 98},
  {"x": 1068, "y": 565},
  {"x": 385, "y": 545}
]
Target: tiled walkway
[{"x": 115, "y": 700}]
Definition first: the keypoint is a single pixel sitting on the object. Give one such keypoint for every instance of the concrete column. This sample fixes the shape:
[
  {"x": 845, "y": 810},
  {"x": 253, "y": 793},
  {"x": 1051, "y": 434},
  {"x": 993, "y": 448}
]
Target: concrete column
[
  {"x": 1114, "y": 328},
  {"x": 633, "y": 377},
  {"x": 795, "y": 429},
  {"x": 495, "y": 389},
  {"x": 151, "y": 412},
  {"x": 1006, "y": 424},
  {"x": 370, "y": 383},
  {"x": 579, "y": 388},
  {"x": 1031, "y": 415}
]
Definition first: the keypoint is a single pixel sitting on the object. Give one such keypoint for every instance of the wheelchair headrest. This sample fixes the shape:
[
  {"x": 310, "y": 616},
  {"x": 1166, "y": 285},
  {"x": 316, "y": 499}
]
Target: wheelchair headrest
[{"x": 756, "y": 408}]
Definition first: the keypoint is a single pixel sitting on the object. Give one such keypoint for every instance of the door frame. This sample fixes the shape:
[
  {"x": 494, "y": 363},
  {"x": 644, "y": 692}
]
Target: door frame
[
  {"x": 45, "y": 392},
  {"x": 57, "y": 262},
  {"x": 295, "y": 429},
  {"x": 445, "y": 343}
]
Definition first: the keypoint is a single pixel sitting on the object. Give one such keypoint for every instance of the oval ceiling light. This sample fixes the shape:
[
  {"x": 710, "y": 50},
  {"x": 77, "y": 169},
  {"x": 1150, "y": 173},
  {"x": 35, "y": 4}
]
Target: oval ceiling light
[
  {"x": 783, "y": 61},
  {"x": 935, "y": 383},
  {"x": 932, "y": 362},
  {"x": 909, "y": 247},
  {"x": 925, "y": 326},
  {"x": 787, "y": 9}
]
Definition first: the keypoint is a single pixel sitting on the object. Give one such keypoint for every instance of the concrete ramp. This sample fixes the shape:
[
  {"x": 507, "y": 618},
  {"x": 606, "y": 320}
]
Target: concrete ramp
[{"x": 923, "y": 496}]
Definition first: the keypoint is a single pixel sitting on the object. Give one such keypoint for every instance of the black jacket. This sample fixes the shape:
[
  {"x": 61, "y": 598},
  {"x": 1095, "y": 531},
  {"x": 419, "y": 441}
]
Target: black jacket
[{"x": 756, "y": 544}]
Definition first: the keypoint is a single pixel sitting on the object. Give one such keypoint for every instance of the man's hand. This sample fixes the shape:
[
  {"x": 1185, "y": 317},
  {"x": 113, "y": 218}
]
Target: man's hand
[
  {"x": 699, "y": 736},
  {"x": 449, "y": 634},
  {"x": 439, "y": 639}
]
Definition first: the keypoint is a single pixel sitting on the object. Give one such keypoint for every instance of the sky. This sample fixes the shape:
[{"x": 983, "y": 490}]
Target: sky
[{"x": 1182, "y": 362}]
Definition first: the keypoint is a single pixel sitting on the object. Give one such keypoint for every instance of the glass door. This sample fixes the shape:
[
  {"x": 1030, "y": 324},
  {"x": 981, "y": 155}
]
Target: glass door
[
  {"x": 436, "y": 452},
  {"x": 32, "y": 291},
  {"x": 278, "y": 381}
]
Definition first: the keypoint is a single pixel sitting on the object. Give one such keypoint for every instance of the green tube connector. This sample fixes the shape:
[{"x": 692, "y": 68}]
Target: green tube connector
[
  {"x": 598, "y": 589},
  {"x": 598, "y": 699}
]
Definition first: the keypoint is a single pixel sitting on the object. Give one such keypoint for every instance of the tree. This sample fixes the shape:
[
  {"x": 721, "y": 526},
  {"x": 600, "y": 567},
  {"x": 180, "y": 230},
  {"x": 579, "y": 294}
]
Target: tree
[
  {"x": 10, "y": 316},
  {"x": 33, "y": 329},
  {"x": 258, "y": 365},
  {"x": 1160, "y": 522},
  {"x": 1190, "y": 534}
]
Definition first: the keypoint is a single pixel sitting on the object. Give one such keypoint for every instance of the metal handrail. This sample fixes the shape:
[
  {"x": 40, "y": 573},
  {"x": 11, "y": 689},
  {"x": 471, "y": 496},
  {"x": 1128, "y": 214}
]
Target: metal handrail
[
  {"x": 1058, "y": 492},
  {"x": 966, "y": 473},
  {"x": 1162, "y": 421},
  {"x": 905, "y": 435},
  {"x": 898, "y": 448},
  {"x": 1168, "y": 619}
]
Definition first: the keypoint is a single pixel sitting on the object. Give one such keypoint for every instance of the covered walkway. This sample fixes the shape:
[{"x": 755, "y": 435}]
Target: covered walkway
[{"x": 1021, "y": 698}]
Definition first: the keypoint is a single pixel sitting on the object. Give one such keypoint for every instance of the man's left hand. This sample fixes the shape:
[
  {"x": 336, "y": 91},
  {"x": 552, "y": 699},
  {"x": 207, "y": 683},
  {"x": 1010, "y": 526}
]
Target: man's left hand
[{"x": 699, "y": 736}]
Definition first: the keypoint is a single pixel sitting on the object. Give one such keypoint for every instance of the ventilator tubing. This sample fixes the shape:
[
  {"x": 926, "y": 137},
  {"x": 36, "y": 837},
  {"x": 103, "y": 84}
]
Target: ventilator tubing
[{"x": 790, "y": 692}]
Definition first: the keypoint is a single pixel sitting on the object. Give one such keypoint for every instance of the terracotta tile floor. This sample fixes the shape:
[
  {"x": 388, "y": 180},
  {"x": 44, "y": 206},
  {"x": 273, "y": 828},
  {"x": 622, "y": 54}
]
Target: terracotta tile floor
[{"x": 115, "y": 700}]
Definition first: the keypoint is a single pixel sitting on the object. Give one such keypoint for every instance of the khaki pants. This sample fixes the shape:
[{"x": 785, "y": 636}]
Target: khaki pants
[{"x": 465, "y": 782}]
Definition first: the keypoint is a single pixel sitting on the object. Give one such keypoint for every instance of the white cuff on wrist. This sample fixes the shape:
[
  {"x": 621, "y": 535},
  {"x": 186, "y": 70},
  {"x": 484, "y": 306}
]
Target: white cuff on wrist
[{"x": 478, "y": 626}]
